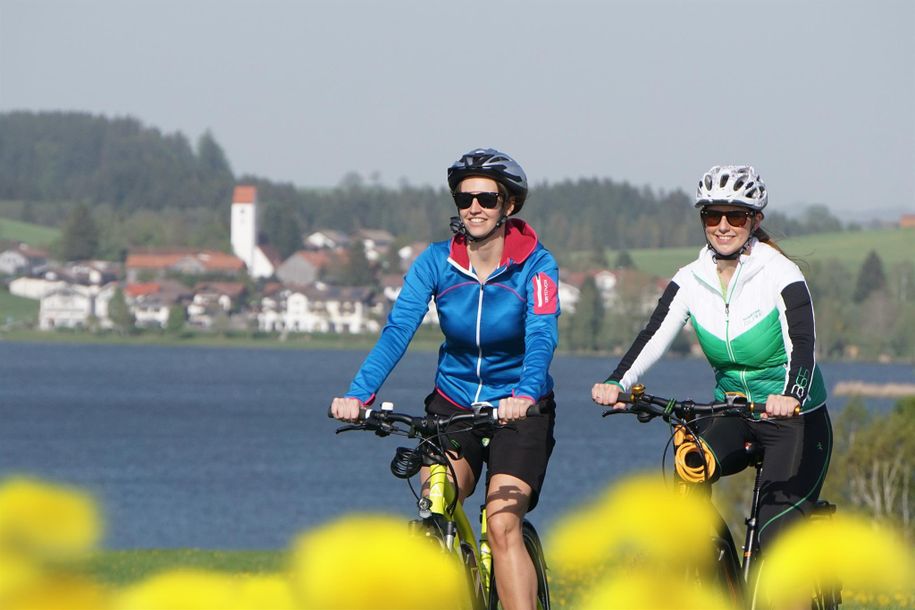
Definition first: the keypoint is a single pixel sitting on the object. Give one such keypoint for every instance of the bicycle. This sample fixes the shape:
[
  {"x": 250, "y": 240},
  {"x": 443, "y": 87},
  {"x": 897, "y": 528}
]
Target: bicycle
[
  {"x": 694, "y": 464},
  {"x": 441, "y": 517}
]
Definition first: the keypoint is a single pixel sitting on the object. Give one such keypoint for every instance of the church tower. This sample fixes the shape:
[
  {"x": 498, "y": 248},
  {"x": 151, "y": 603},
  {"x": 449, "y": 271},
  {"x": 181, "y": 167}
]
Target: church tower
[{"x": 244, "y": 224}]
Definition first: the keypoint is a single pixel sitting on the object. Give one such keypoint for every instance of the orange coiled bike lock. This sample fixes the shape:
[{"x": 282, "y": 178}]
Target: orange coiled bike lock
[{"x": 693, "y": 459}]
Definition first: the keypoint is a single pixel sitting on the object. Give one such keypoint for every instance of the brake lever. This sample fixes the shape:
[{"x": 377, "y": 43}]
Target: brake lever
[{"x": 350, "y": 427}]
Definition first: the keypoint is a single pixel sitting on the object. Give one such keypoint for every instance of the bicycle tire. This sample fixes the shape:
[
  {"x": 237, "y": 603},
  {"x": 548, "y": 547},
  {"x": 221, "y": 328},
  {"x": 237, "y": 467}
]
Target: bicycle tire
[{"x": 535, "y": 552}]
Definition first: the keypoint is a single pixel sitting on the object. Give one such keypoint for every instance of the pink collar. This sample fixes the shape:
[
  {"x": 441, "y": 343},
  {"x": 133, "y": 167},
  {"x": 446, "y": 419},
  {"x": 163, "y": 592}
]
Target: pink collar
[{"x": 520, "y": 241}]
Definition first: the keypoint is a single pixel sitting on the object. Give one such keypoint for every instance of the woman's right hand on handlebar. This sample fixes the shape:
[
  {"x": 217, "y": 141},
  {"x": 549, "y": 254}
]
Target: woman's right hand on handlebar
[
  {"x": 607, "y": 394},
  {"x": 346, "y": 408}
]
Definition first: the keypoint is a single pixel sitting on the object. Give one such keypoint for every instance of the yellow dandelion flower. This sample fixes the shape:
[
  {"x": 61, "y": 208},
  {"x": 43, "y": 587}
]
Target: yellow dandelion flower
[
  {"x": 17, "y": 573},
  {"x": 58, "y": 593},
  {"x": 641, "y": 516},
  {"x": 181, "y": 590},
  {"x": 260, "y": 592},
  {"x": 863, "y": 557},
  {"x": 641, "y": 592},
  {"x": 46, "y": 519},
  {"x": 364, "y": 561}
]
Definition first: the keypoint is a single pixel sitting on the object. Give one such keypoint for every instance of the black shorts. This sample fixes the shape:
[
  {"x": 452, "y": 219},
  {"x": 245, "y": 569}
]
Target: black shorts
[{"x": 520, "y": 449}]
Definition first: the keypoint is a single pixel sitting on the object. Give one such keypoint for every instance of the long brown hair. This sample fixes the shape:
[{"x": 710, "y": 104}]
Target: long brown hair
[{"x": 760, "y": 234}]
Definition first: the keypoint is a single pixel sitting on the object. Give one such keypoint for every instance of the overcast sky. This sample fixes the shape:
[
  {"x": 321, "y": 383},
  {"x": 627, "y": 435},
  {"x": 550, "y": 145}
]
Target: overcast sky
[{"x": 820, "y": 96}]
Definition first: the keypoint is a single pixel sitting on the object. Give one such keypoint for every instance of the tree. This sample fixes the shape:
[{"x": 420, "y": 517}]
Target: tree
[
  {"x": 356, "y": 271},
  {"x": 79, "y": 238},
  {"x": 119, "y": 313},
  {"x": 280, "y": 228},
  {"x": 624, "y": 260},
  {"x": 587, "y": 319},
  {"x": 880, "y": 466},
  {"x": 870, "y": 278},
  {"x": 174, "y": 325}
]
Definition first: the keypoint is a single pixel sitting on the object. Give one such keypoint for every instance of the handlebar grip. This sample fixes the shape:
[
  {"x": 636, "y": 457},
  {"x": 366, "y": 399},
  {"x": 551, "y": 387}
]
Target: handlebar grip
[{"x": 532, "y": 411}]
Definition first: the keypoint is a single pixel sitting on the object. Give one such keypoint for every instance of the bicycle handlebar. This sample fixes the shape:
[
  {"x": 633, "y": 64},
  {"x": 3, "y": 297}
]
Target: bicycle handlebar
[
  {"x": 650, "y": 406},
  {"x": 381, "y": 420}
]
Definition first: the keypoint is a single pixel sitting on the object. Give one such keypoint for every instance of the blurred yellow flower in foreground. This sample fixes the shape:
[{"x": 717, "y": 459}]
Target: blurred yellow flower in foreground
[
  {"x": 374, "y": 562},
  {"x": 202, "y": 590},
  {"x": 849, "y": 550},
  {"x": 640, "y": 517},
  {"x": 627, "y": 591},
  {"x": 46, "y": 520},
  {"x": 16, "y": 574},
  {"x": 58, "y": 593}
]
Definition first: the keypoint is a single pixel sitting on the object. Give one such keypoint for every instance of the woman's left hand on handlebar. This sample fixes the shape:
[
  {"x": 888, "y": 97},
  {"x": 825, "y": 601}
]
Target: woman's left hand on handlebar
[
  {"x": 778, "y": 405},
  {"x": 512, "y": 408}
]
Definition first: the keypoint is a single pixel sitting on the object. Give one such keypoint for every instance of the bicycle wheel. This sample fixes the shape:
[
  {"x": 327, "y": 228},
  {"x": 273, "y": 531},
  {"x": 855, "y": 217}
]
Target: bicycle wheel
[{"x": 535, "y": 551}]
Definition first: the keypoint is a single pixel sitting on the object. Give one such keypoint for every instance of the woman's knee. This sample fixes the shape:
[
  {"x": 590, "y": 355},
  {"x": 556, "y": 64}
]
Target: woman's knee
[{"x": 503, "y": 529}]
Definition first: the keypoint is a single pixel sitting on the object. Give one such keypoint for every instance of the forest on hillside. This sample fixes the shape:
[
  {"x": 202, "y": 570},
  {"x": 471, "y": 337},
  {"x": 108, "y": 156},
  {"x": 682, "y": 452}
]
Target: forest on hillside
[{"x": 149, "y": 188}]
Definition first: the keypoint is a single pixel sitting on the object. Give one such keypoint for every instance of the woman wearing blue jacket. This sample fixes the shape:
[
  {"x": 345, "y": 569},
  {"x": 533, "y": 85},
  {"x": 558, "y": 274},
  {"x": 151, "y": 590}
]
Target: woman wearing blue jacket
[{"x": 496, "y": 291}]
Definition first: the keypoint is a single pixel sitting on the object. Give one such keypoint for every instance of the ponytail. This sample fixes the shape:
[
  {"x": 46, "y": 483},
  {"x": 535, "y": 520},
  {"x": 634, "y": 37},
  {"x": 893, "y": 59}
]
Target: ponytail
[{"x": 761, "y": 235}]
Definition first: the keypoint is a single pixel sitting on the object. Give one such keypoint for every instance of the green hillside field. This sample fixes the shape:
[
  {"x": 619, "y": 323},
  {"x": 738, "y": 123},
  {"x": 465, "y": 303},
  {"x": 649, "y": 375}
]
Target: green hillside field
[
  {"x": 32, "y": 234},
  {"x": 850, "y": 247},
  {"x": 13, "y": 308}
]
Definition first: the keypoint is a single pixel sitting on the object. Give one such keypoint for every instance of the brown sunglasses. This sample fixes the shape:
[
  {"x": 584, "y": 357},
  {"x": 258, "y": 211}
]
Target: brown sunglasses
[{"x": 736, "y": 218}]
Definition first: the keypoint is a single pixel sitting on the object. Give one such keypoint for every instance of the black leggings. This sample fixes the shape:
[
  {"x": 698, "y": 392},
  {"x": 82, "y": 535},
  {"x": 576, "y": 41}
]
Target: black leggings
[{"x": 797, "y": 451}]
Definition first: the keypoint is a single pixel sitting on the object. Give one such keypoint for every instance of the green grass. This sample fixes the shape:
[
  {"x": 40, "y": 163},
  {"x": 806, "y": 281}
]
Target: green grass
[
  {"x": 849, "y": 247},
  {"x": 17, "y": 308},
  {"x": 32, "y": 234},
  {"x": 123, "y": 567}
]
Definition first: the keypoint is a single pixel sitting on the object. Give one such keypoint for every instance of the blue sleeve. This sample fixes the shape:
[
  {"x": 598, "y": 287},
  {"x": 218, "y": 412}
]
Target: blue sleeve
[
  {"x": 541, "y": 332},
  {"x": 405, "y": 317}
]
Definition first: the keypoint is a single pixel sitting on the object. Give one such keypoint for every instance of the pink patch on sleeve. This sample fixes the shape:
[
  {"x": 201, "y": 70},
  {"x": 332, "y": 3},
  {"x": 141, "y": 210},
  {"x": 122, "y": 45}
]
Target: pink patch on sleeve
[{"x": 546, "y": 295}]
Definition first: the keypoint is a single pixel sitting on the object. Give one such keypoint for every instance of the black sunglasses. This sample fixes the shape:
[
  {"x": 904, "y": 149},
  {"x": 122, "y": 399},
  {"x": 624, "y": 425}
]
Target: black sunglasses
[
  {"x": 736, "y": 218},
  {"x": 487, "y": 200}
]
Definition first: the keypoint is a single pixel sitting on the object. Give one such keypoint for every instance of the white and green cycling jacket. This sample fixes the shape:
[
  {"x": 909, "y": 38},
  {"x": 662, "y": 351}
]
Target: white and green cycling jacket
[{"x": 758, "y": 334}]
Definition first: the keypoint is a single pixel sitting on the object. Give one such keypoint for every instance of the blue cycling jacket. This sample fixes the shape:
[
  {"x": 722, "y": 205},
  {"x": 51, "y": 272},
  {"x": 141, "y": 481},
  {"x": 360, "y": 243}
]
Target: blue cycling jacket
[{"x": 500, "y": 334}]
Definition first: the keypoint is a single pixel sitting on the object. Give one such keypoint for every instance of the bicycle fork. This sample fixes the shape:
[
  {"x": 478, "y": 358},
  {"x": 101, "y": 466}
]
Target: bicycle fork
[{"x": 751, "y": 542}]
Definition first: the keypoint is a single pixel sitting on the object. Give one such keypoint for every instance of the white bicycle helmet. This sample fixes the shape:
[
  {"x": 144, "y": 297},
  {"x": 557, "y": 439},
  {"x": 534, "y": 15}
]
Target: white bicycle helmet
[{"x": 732, "y": 185}]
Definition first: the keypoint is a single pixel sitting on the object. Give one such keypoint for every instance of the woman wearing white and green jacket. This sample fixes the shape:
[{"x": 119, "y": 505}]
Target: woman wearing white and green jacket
[{"x": 753, "y": 317}]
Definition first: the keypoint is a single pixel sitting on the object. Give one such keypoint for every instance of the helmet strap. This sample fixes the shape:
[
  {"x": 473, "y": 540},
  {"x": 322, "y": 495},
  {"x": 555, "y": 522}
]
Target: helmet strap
[{"x": 459, "y": 228}]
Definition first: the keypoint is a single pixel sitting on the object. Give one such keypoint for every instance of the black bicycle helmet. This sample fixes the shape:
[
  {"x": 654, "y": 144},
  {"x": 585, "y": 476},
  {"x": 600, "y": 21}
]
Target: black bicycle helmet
[{"x": 491, "y": 163}]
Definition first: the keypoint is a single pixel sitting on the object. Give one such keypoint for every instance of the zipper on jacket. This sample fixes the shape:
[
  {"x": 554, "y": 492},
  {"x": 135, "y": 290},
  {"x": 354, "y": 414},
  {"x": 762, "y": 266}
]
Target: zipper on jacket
[
  {"x": 479, "y": 345},
  {"x": 741, "y": 374},
  {"x": 483, "y": 283}
]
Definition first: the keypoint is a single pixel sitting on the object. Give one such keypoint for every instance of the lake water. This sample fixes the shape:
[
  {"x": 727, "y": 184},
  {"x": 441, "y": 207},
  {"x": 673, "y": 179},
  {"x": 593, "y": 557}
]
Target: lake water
[{"x": 232, "y": 448}]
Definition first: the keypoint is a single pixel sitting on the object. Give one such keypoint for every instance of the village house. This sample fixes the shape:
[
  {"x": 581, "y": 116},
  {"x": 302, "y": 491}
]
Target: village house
[
  {"x": 155, "y": 263},
  {"x": 303, "y": 267},
  {"x": 213, "y": 300},
  {"x": 326, "y": 239},
  {"x": 76, "y": 306},
  {"x": 151, "y": 302},
  {"x": 377, "y": 242},
  {"x": 320, "y": 308},
  {"x": 21, "y": 259}
]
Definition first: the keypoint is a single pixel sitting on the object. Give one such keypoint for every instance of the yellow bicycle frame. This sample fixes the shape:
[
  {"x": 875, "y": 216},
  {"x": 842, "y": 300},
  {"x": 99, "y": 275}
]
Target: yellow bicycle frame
[{"x": 441, "y": 496}]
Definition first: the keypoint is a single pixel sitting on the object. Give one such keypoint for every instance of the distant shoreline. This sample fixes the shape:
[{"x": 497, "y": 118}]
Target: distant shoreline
[{"x": 426, "y": 340}]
